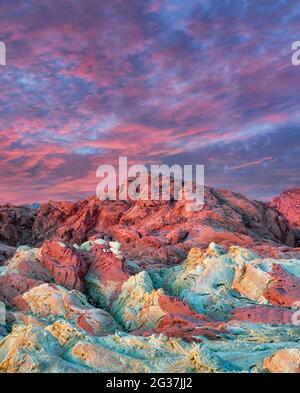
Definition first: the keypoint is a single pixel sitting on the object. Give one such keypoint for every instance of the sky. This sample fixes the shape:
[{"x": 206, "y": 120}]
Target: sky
[{"x": 158, "y": 81}]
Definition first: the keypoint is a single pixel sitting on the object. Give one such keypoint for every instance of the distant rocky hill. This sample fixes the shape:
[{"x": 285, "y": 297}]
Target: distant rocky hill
[{"x": 152, "y": 230}]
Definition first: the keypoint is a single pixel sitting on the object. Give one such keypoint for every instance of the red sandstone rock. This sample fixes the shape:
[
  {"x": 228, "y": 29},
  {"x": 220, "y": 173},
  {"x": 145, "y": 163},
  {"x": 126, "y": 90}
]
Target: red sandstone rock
[
  {"x": 171, "y": 305},
  {"x": 67, "y": 265},
  {"x": 107, "y": 265},
  {"x": 177, "y": 235},
  {"x": 105, "y": 277},
  {"x": 97, "y": 322},
  {"x": 87, "y": 218},
  {"x": 49, "y": 218},
  {"x": 150, "y": 229},
  {"x": 263, "y": 314},
  {"x": 267, "y": 250},
  {"x": 187, "y": 328},
  {"x": 288, "y": 204},
  {"x": 286, "y": 289},
  {"x": 13, "y": 286},
  {"x": 227, "y": 218},
  {"x": 181, "y": 321},
  {"x": 16, "y": 224}
]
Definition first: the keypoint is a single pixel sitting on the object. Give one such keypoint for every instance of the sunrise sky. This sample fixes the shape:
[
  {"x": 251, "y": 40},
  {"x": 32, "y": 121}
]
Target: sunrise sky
[{"x": 174, "y": 81}]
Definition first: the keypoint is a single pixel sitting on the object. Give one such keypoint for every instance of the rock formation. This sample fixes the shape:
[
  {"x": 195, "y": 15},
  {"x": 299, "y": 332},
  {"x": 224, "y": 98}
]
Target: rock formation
[
  {"x": 153, "y": 231},
  {"x": 67, "y": 265},
  {"x": 288, "y": 204},
  {"x": 16, "y": 224},
  {"x": 119, "y": 286}
]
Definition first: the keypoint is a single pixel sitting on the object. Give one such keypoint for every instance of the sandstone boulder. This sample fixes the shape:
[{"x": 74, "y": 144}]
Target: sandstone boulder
[
  {"x": 67, "y": 265},
  {"x": 284, "y": 361}
]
